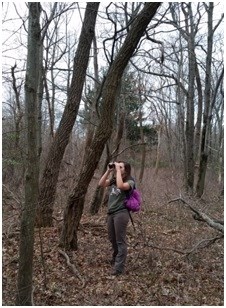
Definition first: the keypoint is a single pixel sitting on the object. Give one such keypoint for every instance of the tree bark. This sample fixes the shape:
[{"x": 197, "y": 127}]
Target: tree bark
[
  {"x": 51, "y": 171},
  {"x": 75, "y": 203},
  {"x": 24, "y": 286}
]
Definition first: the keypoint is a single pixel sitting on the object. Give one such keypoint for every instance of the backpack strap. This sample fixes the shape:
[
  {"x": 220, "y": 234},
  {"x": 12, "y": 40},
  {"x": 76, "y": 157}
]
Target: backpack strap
[
  {"x": 127, "y": 196},
  {"x": 134, "y": 183},
  {"x": 131, "y": 218},
  {"x": 129, "y": 192}
]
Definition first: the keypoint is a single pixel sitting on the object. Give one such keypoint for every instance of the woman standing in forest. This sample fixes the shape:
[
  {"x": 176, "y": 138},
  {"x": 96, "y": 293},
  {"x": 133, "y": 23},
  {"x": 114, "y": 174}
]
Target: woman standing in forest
[{"x": 118, "y": 215}]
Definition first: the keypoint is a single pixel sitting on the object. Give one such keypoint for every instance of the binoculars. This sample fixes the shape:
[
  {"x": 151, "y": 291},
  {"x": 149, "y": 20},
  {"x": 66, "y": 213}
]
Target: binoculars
[{"x": 111, "y": 165}]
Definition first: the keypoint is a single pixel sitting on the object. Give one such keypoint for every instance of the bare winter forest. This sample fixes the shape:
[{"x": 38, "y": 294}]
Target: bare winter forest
[{"x": 85, "y": 84}]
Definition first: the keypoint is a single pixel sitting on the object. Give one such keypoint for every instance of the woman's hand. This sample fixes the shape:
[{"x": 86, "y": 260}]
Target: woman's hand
[
  {"x": 104, "y": 181},
  {"x": 117, "y": 167}
]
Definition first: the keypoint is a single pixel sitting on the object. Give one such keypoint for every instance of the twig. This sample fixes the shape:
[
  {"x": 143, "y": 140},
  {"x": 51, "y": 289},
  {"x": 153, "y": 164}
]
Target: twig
[
  {"x": 130, "y": 146},
  {"x": 72, "y": 267},
  {"x": 208, "y": 241},
  {"x": 10, "y": 217},
  {"x": 166, "y": 248}
]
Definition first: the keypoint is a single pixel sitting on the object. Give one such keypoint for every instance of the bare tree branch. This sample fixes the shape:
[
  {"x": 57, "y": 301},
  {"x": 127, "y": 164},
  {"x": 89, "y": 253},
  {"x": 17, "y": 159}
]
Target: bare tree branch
[
  {"x": 200, "y": 245},
  {"x": 72, "y": 267},
  {"x": 204, "y": 243},
  {"x": 213, "y": 223},
  {"x": 132, "y": 145}
]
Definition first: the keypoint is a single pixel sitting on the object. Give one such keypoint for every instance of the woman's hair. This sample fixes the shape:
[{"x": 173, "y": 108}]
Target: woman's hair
[
  {"x": 127, "y": 167},
  {"x": 127, "y": 176}
]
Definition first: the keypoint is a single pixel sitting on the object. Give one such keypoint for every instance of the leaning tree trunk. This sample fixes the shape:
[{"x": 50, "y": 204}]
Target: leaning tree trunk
[
  {"x": 99, "y": 193},
  {"x": 98, "y": 196},
  {"x": 25, "y": 273},
  {"x": 50, "y": 174},
  {"x": 75, "y": 204},
  {"x": 97, "y": 200}
]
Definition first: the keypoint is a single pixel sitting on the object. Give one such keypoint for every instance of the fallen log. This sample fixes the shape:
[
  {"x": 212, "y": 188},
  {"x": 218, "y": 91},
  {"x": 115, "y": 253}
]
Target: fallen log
[{"x": 198, "y": 215}]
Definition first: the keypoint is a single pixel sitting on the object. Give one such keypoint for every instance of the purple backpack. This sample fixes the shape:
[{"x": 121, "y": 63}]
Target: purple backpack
[{"x": 133, "y": 201}]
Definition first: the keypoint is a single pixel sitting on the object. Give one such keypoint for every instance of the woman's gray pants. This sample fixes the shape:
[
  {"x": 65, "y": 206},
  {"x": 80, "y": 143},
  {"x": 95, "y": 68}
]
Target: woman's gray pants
[{"x": 117, "y": 224}]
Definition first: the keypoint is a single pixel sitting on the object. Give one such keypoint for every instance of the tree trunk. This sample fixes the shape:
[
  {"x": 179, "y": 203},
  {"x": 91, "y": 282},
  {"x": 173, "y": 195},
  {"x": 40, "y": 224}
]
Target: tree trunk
[
  {"x": 181, "y": 97},
  {"x": 190, "y": 99},
  {"x": 40, "y": 98},
  {"x": 201, "y": 174},
  {"x": 97, "y": 199},
  {"x": 99, "y": 192},
  {"x": 143, "y": 147},
  {"x": 92, "y": 115},
  {"x": 206, "y": 116},
  {"x": 104, "y": 129},
  {"x": 159, "y": 129},
  {"x": 51, "y": 171},
  {"x": 199, "y": 113},
  {"x": 18, "y": 118},
  {"x": 24, "y": 286},
  {"x": 221, "y": 151},
  {"x": 72, "y": 217}
]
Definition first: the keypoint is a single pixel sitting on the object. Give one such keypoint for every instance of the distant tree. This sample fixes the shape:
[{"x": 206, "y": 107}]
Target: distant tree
[
  {"x": 189, "y": 36},
  {"x": 177, "y": 81},
  {"x": 209, "y": 102},
  {"x": 58, "y": 47},
  {"x": 13, "y": 131}
]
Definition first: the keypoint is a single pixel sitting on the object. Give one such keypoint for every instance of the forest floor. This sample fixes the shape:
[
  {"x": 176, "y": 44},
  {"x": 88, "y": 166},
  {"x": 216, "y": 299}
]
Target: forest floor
[{"x": 169, "y": 260}]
